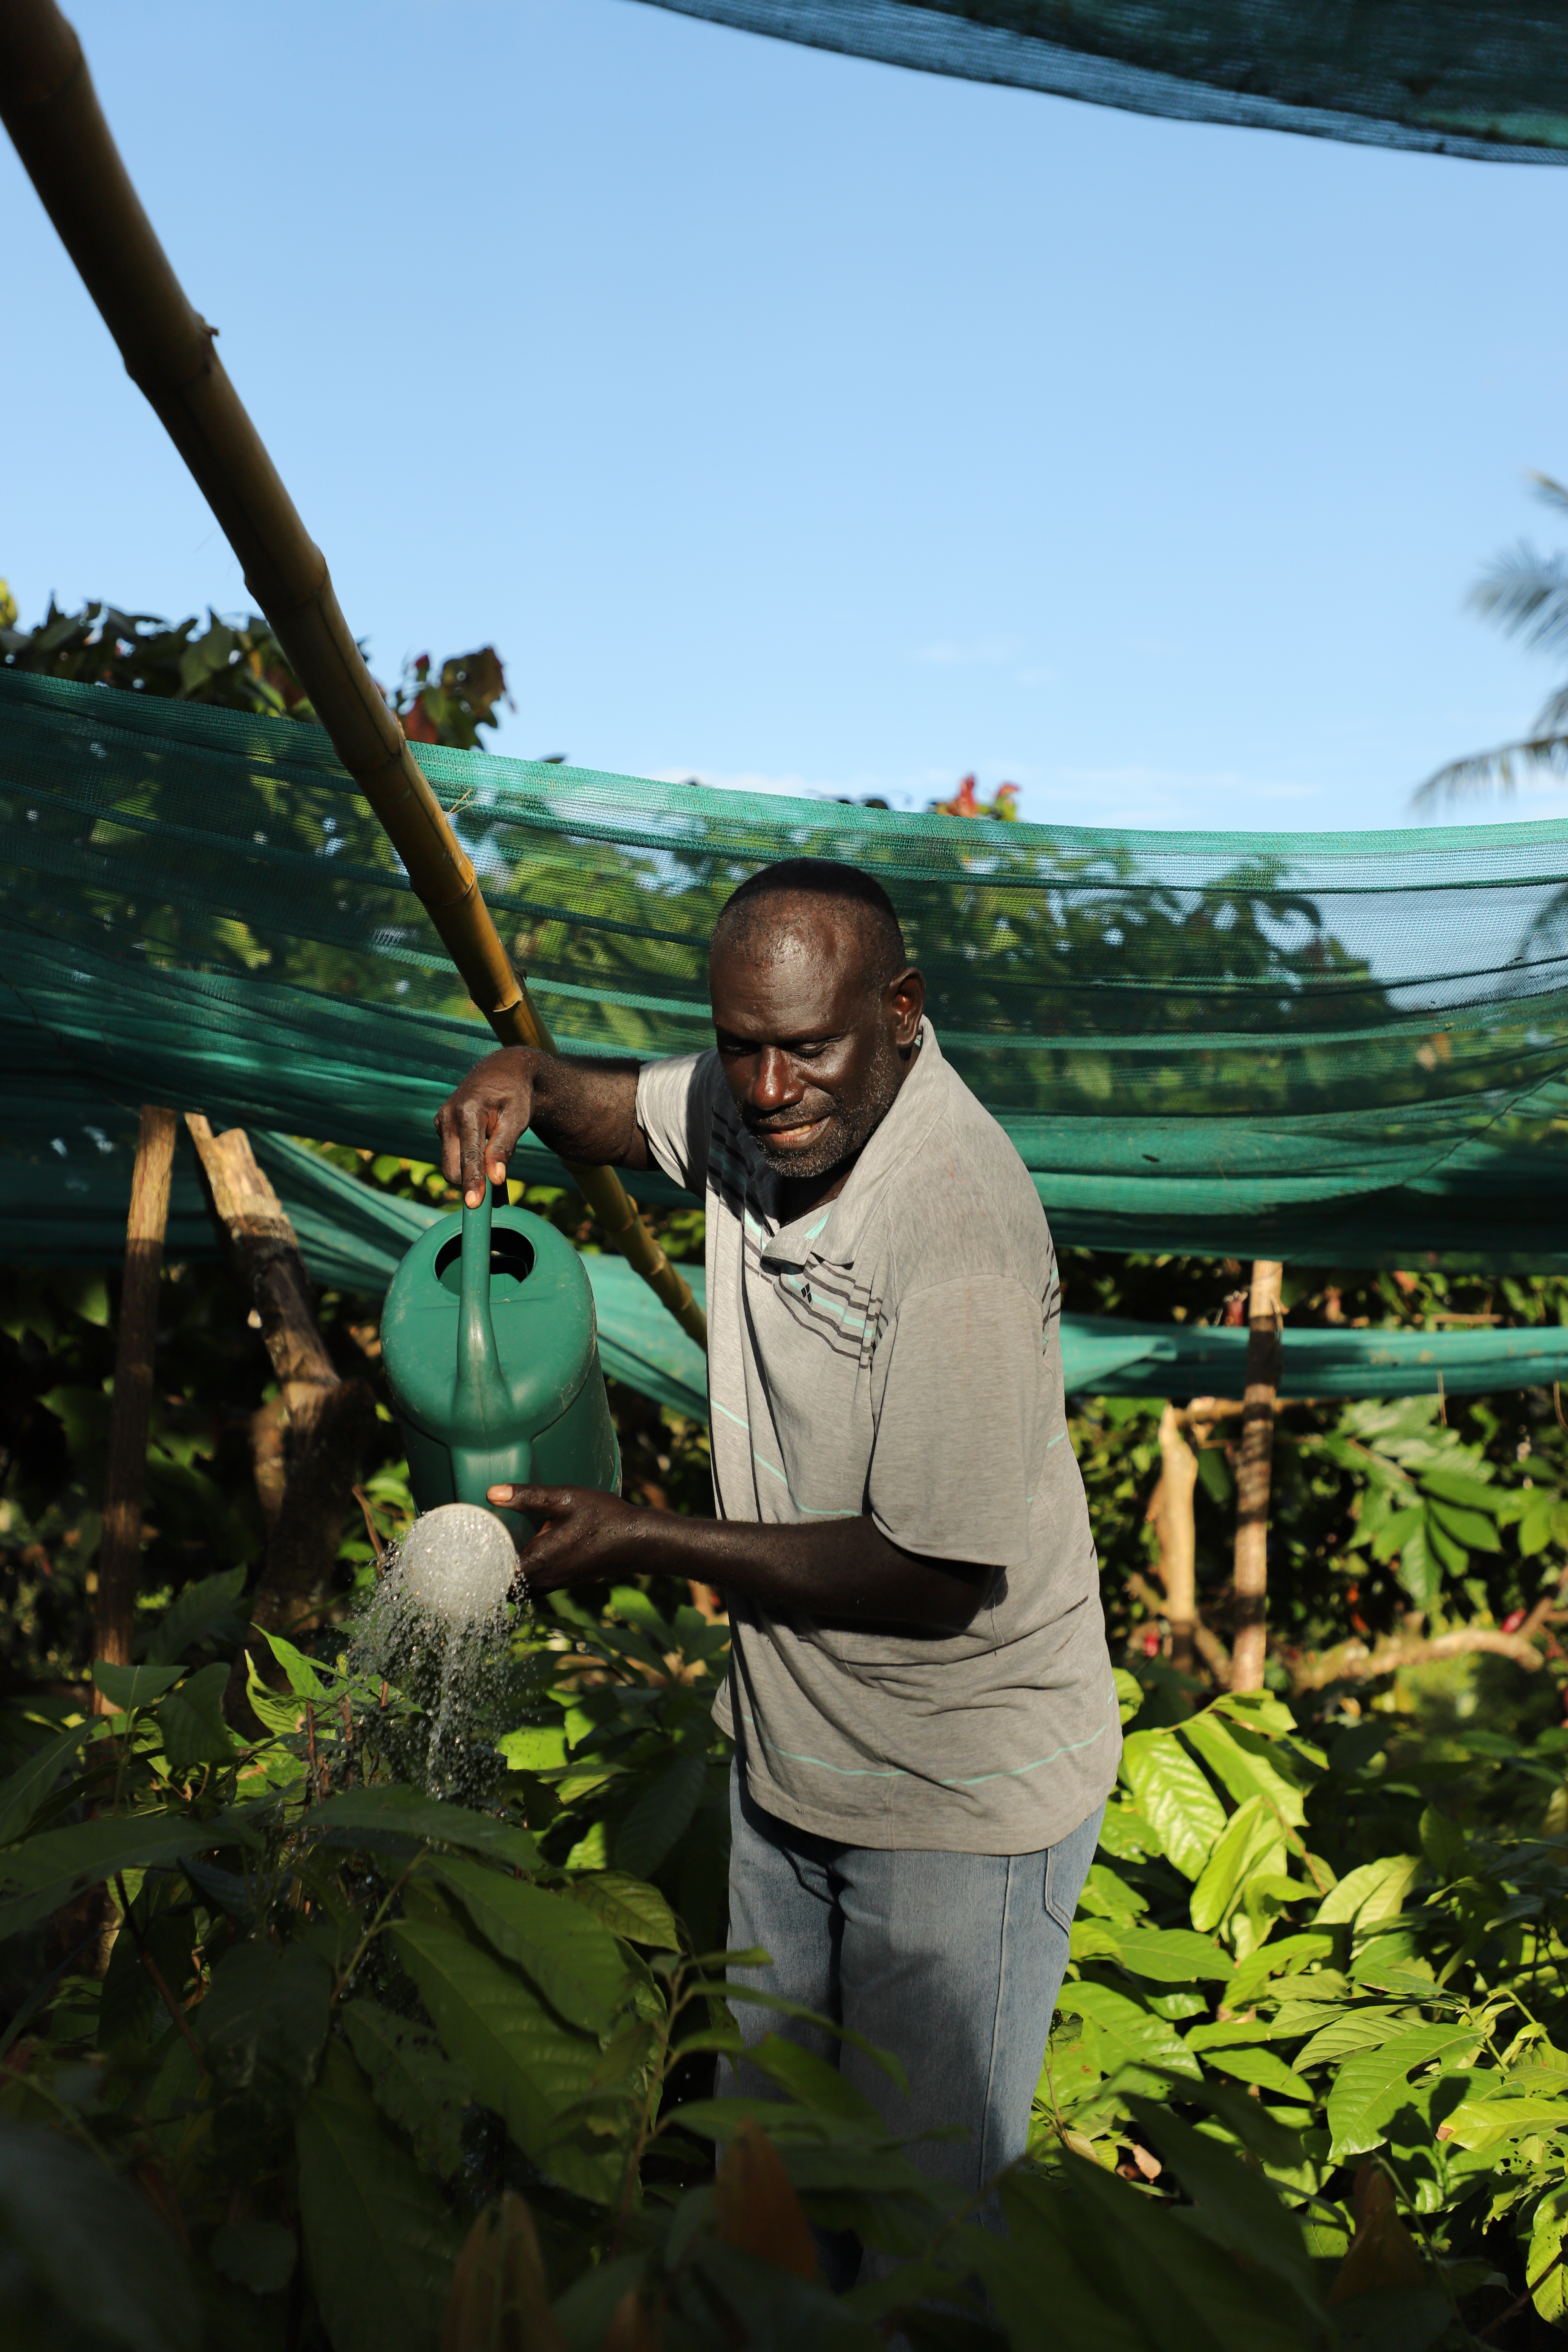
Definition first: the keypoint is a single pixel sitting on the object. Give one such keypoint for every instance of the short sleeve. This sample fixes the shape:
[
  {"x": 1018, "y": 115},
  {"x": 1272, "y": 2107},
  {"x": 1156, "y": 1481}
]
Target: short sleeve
[
  {"x": 954, "y": 1450},
  {"x": 675, "y": 1112}
]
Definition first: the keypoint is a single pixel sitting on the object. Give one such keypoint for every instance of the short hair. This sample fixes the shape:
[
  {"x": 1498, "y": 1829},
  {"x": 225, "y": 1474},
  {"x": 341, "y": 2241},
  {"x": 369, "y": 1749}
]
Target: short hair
[{"x": 877, "y": 923}]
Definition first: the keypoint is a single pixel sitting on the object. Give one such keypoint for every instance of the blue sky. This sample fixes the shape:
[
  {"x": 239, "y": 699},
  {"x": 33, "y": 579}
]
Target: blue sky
[{"x": 792, "y": 420}]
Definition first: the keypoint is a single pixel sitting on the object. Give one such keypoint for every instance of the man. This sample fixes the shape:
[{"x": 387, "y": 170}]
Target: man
[{"x": 920, "y": 1694}]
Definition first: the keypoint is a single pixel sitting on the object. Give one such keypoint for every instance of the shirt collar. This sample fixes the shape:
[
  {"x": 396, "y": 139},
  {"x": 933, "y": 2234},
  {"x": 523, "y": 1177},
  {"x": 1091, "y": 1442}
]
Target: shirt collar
[{"x": 833, "y": 1233}]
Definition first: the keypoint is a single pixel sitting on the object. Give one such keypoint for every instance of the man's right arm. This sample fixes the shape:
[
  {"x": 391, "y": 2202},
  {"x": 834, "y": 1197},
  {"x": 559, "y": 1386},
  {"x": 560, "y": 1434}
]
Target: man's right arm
[{"x": 583, "y": 1110}]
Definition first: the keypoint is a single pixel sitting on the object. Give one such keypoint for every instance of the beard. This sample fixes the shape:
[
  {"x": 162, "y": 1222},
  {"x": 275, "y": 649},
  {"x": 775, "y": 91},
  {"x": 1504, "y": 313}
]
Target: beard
[{"x": 848, "y": 1126}]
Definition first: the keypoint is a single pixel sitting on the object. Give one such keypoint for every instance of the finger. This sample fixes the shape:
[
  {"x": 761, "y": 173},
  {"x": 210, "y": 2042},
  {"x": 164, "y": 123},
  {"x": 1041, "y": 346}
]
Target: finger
[
  {"x": 537, "y": 1501},
  {"x": 509, "y": 1124},
  {"x": 445, "y": 1127},
  {"x": 470, "y": 1122}
]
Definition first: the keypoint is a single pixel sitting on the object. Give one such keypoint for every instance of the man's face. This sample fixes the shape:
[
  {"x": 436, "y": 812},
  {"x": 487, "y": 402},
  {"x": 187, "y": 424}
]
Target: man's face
[{"x": 813, "y": 1050}]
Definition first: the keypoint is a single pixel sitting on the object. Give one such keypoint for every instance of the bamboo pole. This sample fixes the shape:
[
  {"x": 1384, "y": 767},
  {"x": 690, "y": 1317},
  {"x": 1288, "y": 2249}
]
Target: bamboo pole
[
  {"x": 120, "y": 1551},
  {"x": 51, "y": 110},
  {"x": 1253, "y": 1476}
]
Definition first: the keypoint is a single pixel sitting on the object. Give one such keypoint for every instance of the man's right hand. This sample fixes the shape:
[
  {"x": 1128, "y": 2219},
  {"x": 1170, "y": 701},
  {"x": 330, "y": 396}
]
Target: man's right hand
[
  {"x": 480, "y": 1124},
  {"x": 584, "y": 1110}
]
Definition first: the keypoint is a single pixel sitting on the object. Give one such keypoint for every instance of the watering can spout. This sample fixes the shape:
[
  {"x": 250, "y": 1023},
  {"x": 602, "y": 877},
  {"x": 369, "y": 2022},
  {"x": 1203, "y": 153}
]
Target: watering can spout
[{"x": 484, "y": 1451}]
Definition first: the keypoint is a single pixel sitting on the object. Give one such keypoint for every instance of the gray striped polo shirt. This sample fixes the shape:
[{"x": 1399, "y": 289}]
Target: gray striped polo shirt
[{"x": 897, "y": 1354}]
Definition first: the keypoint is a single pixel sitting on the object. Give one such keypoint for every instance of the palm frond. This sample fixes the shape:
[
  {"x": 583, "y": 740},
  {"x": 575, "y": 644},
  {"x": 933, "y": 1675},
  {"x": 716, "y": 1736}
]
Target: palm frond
[
  {"x": 1553, "y": 715},
  {"x": 1493, "y": 772},
  {"x": 1527, "y": 594},
  {"x": 1550, "y": 493}
]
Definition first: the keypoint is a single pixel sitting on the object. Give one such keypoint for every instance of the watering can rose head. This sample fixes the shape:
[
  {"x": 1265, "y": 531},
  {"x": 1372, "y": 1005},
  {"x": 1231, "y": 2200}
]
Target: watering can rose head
[{"x": 459, "y": 1562}]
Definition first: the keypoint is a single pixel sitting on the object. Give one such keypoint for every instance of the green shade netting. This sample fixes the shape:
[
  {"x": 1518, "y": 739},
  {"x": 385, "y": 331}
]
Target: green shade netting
[
  {"x": 1488, "y": 79},
  {"x": 65, "y": 1185},
  {"x": 1343, "y": 1049}
]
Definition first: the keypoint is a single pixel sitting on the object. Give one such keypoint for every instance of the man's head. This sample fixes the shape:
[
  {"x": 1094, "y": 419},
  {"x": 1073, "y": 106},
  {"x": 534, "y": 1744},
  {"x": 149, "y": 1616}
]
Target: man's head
[{"x": 815, "y": 1010}]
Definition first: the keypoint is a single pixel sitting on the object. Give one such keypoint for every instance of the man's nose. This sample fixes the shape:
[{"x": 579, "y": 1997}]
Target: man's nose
[{"x": 774, "y": 1082}]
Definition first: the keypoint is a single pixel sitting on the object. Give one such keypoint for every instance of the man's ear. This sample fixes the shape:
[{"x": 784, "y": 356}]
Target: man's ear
[{"x": 904, "y": 999}]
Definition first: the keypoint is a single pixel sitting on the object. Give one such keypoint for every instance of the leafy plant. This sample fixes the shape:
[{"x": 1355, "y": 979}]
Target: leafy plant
[{"x": 367, "y": 2065}]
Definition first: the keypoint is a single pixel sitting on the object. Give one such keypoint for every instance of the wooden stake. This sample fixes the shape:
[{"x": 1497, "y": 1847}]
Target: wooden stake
[
  {"x": 1254, "y": 1472},
  {"x": 1171, "y": 1512},
  {"x": 119, "y": 1552},
  {"x": 307, "y": 1454}
]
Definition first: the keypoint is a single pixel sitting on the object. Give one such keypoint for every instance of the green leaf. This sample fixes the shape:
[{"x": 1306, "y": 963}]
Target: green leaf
[
  {"x": 97, "y": 2252},
  {"x": 1125, "y": 2035},
  {"x": 1286, "y": 1955},
  {"x": 305, "y": 1679},
  {"x": 1357, "y": 2029},
  {"x": 1264, "y": 2068},
  {"x": 632, "y": 1605},
  {"x": 813, "y": 2081},
  {"x": 571, "y": 1957},
  {"x": 1450, "y": 1554},
  {"x": 50, "y": 1869},
  {"x": 536, "y": 1748},
  {"x": 1400, "y": 1528},
  {"x": 203, "y": 1611},
  {"x": 263, "y": 2023},
  {"x": 1375, "y": 1892},
  {"x": 379, "y": 2241},
  {"x": 1174, "y": 1798},
  {"x": 1421, "y": 1569},
  {"x": 1242, "y": 1766},
  {"x": 356, "y": 1815},
  {"x": 1125, "y": 1833},
  {"x": 34, "y": 1780},
  {"x": 628, "y": 1907},
  {"x": 415, "y": 2084},
  {"x": 131, "y": 1686},
  {"x": 1370, "y": 2086},
  {"x": 529, "y": 2066},
  {"x": 1478, "y": 2123},
  {"x": 1459, "y": 1487},
  {"x": 660, "y": 1814},
  {"x": 1169, "y": 1955},
  {"x": 1443, "y": 1844},
  {"x": 1129, "y": 1694},
  {"x": 191, "y": 1722},
  {"x": 1467, "y": 1527},
  {"x": 1048, "y": 2256},
  {"x": 1545, "y": 2269},
  {"x": 1252, "y": 1833},
  {"x": 280, "y": 1715},
  {"x": 1187, "y": 2294},
  {"x": 1235, "y": 2206},
  {"x": 1534, "y": 1532}
]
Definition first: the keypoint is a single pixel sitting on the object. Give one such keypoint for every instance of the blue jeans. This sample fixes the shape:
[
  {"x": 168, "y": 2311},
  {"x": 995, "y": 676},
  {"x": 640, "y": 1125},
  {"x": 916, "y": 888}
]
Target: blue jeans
[{"x": 950, "y": 1961}]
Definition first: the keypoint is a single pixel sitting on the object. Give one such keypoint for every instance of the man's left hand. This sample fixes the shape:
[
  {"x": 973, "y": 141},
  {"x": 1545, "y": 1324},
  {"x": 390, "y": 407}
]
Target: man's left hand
[{"x": 583, "y": 1534}]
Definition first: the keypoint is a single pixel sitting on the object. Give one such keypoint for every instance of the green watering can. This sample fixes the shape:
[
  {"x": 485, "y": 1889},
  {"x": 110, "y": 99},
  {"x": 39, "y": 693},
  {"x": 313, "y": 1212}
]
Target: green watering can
[{"x": 491, "y": 1351}]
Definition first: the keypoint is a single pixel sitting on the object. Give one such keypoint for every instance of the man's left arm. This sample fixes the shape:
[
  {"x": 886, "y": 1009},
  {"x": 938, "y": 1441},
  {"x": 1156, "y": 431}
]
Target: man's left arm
[{"x": 843, "y": 1569}]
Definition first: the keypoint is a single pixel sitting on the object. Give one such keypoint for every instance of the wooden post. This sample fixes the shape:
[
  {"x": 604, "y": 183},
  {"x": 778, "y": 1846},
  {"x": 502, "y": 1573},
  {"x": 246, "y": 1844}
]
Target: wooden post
[
  {"x": 1254, "y": 1472},
  {"x": 306, "y": 1458},
  {"x": 1171, "y": 1512},
  {"x": 119, "y": 1552}
]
